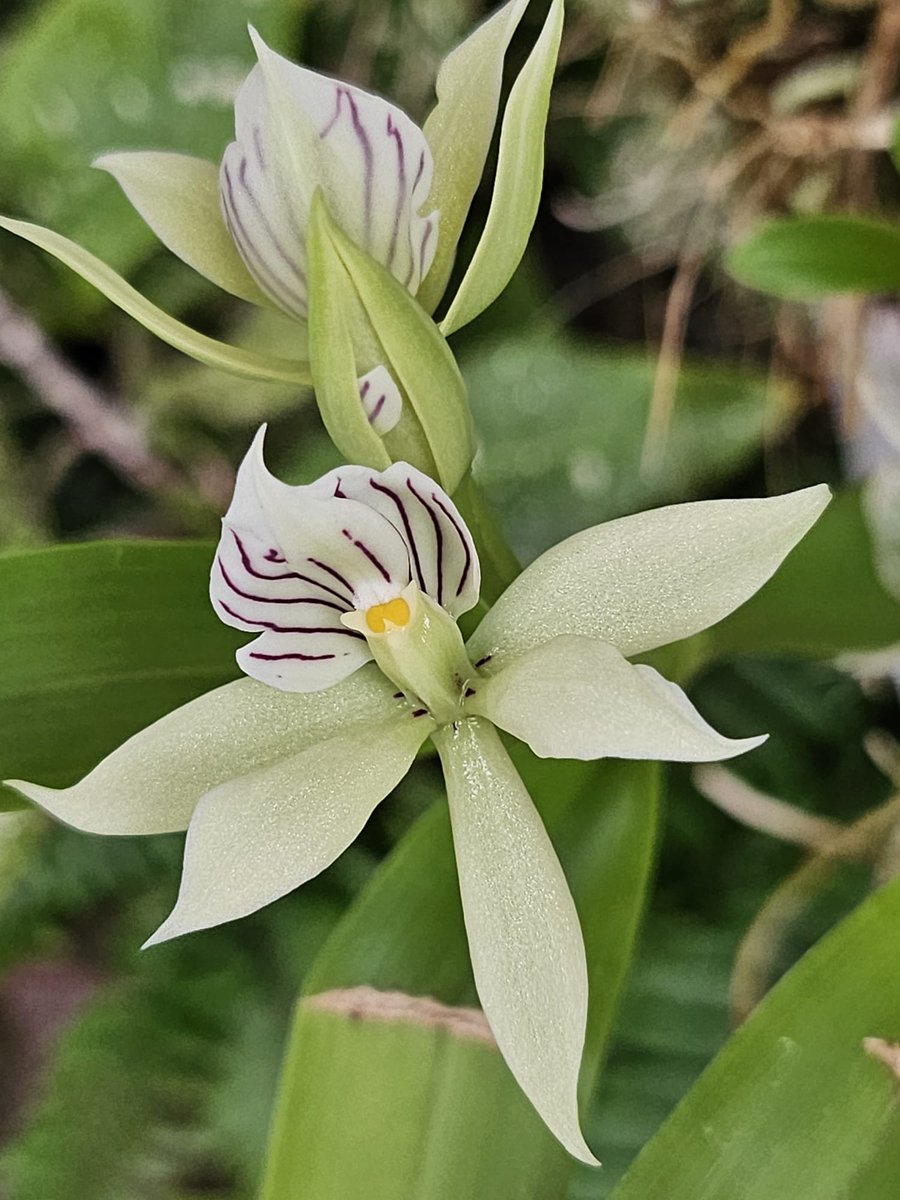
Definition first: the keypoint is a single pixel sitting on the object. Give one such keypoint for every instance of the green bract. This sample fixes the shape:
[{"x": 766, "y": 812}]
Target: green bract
[
  {"x": 352, "y": 586},
  {"x": 392, "y": 208}
]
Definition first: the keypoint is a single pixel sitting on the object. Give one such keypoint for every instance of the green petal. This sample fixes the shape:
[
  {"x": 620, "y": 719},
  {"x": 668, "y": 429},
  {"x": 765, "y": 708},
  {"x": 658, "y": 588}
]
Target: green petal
[
  {"x": 255, "y": 838},
  {"x": 178, "y": 197},
  {"x": 331, "y": 350},
  {"x": 574, "y": 697},
  {"x": 152, "y": 783},
  {"x": 418, "y": 357},
  {"x": 524, "y": 937},
  {"x": 646, "y": 580},
  {"x": 205, "y": 349},
  {"x": 517, "y": 189},
  {"x": 459, "y": 130}
]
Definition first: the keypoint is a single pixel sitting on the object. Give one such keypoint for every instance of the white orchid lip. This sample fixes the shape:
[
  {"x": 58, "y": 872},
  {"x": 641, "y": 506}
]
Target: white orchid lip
[{"x": 294, "y": 562}]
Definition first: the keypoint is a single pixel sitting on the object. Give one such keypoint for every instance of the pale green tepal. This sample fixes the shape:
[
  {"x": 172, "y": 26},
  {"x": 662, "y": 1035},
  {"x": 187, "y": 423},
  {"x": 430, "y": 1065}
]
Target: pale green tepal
[
  {"x": 352, "y": 586},
  {"x": 334, "y": 207}
]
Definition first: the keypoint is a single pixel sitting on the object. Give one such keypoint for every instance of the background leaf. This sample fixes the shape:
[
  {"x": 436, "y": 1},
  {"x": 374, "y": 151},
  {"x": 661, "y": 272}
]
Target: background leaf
[
  {"x": 97, "y": 641},
  {"x": 802, "y": 258},
  {"x": 796, "y": 1080},
  {"x": 561, "y": 424}
]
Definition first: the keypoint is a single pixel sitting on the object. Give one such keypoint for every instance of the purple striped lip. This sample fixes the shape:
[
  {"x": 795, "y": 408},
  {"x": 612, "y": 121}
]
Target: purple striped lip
[
  {"x": 365, "y": 145},
  {"x": 439, "y": 541},
  {"x": 404, "y": 517},
  {"x": 271, "y": 625},
  {"x": 373, "y": 415},
  {"x": 378, "y": 565},
  {"x": 394, "y": 132},
  {"x": 334, "y": 574},
  {"x": 276, "y": 599},
  {"x": 463, "y": 539}
]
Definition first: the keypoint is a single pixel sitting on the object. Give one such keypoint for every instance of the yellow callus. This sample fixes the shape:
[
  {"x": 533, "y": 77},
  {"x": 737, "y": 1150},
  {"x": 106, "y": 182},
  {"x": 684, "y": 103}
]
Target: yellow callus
[{"x": 394, "y": 614}]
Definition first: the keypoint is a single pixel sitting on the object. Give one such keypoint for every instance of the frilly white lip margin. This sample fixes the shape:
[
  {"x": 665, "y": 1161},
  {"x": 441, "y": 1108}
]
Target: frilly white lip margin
[{"x": 273, "y": 783}]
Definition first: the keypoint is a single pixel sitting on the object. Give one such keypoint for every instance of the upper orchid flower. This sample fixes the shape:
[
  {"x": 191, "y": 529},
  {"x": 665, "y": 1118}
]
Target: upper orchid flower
[
  {"x": 334, "y": 207},
  {"x": 295, "y": 132},
  {"x": 352, "y": 585}
]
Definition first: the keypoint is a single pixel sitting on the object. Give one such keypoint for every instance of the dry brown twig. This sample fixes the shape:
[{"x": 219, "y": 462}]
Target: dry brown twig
[{"x": 95, "y": 421}]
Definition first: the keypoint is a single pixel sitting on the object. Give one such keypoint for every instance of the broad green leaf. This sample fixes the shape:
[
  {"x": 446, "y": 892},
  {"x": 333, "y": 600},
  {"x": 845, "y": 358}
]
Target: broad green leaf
[
  {"x": 418, "y": 357},
  {"x": 561, "y": 424},
  {"x": 826, "y": 599},
  {"x": 331, "y": 301},
  {"x": 803, "y": 258},
  {"x": 205, "y": 349},
  {"x": 794, "y": 1104},
  {"x": 602, "y": 820},
  {"x": 97, "y": 641},
  {"x": 517, "y": 188},
  {"x": 459, "y": 130},
  {"x": 427, "y": 1086}
]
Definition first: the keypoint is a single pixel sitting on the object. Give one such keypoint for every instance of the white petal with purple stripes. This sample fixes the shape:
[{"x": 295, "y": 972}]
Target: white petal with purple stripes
[
  {"x": 443, "y": 558},
  {"x": 295, "y": 131},
  {"x": 381, "y": 399},
  {"x": 293, "y": 560}
]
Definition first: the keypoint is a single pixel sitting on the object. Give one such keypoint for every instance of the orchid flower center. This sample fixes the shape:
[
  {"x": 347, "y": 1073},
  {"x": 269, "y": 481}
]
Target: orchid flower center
[{"x": 395, "y": 614}]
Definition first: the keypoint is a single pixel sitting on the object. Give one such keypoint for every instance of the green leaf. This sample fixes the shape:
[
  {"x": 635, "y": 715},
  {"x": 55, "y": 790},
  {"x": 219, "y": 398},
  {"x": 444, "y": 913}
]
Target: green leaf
[
  {"x": 418, "y": 357},
  {"x": 97, "y": 641},
  {"x": 517, "y": 188},
  {"x": 459, "y": 130},
  {"x": 803, "y": 258},
  {"x": 794, "y": 1105},
  {"x": 561, "y": 425},
  {"x": 205, "y": 349},
  {"x": 427, "y": 1086},
  {"x": 825, "y": 599},
  {"x": 331, "y": 351},
  {"x": 602, "y": 820}
]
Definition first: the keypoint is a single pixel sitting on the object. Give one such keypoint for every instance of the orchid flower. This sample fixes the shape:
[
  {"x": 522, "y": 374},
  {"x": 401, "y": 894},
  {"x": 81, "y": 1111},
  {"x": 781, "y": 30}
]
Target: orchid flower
[
  {"x": 352, "y": 586},
  {"x": 316, "y": 159}
]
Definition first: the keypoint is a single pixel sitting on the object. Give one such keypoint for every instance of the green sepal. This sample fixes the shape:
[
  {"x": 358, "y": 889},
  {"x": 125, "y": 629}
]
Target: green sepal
[
  {"x": 517, "y": 188},
  {"x": 207, "y": 350},
  {"x": 331, "y": 346},
  {"x": 417, "y": 356},
  {"x": 459, "y": 130}
]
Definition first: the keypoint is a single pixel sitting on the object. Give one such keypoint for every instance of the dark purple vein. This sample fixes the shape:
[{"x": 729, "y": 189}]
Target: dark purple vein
[
  {"x": 394, "y": 132},
  {"x": 274, "y": 628},
  {"x": 464, "y": 541},
  {"x": 379, "y": 566},
  {"x": 438, "y": 538},
  {"x": 410, "y": 538},
  {"x": 297, "y": 657},
  {"x": 281, "y": 599}
]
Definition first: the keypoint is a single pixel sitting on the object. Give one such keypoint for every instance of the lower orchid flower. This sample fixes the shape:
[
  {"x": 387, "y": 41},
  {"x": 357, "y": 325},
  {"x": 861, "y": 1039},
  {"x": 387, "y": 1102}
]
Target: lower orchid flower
[{"x": 353, "y": 585}]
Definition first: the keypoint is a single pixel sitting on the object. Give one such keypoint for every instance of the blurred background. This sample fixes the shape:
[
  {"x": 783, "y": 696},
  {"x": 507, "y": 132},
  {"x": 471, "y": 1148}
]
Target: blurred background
[{"x": 623, "y": 368}]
